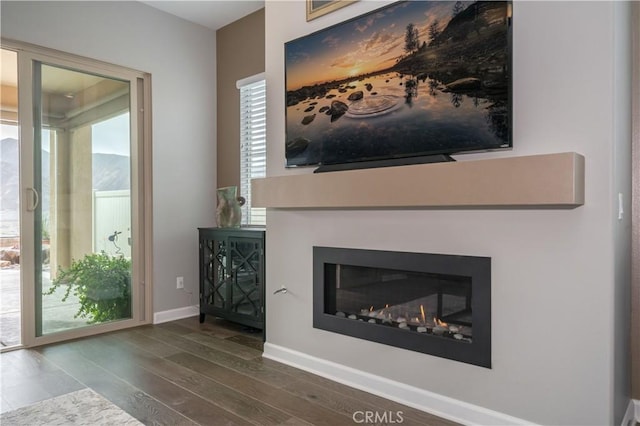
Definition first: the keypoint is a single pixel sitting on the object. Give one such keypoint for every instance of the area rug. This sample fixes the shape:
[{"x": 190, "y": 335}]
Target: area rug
[{"x": 83, "y": 407}]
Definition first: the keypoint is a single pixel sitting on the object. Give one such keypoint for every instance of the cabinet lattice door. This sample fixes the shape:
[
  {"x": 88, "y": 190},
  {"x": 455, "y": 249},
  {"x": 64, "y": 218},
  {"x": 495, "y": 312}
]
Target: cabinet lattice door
[{"x": 232, "y": 275}]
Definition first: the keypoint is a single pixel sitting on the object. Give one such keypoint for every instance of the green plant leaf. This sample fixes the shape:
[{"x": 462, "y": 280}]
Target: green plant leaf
[{"x": 102, "y": 284}]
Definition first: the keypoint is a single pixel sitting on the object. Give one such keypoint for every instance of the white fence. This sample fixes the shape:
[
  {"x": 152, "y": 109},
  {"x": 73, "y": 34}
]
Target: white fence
[{"x": 112, "y": 222}]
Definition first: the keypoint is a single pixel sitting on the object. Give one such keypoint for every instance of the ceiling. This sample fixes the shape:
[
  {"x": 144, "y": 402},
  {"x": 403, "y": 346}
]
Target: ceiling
[{"x": 212, "y": 14}]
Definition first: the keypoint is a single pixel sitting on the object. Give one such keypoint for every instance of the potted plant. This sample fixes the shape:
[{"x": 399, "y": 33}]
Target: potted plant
[{"x": 102, "y": 284}]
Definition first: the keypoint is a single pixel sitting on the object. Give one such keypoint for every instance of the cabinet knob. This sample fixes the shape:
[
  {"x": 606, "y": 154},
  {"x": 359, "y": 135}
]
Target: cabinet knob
[{"x": 282, "y": 289}]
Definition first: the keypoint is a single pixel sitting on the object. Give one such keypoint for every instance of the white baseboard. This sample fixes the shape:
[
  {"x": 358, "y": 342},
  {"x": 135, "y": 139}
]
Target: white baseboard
[
  {"x": 175, "y": 314},
  {"x": 633, "y": 413},
  {"x": 438, "y": 405}
]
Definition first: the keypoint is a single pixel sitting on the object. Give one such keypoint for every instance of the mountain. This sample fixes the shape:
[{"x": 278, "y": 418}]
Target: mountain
[
  {"x": 473, "y": 21},
  {"x": 110, "y": 172},
  {"x": 473, "y": 43}
]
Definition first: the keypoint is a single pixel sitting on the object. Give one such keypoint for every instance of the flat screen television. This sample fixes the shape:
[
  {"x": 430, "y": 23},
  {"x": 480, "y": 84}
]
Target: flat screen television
[{"x": 409, "y": 82}]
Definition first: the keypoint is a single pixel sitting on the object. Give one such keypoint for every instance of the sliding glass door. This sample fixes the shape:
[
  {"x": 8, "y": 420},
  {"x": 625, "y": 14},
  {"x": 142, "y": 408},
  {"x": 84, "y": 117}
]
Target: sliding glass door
[
  {"x": 83, "y": 169},
  {"x": 82, "y": 206},
  {"x": 10, "y": 333}
]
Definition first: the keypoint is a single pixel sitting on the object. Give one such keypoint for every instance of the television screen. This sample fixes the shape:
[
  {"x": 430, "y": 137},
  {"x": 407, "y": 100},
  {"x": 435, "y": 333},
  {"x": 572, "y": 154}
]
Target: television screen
[{"x": 412, "y": 79}]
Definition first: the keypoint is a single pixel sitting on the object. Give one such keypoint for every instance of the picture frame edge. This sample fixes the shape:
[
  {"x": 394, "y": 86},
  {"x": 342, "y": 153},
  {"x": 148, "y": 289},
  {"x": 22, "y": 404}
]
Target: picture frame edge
[{"x": 326, "y": 9}]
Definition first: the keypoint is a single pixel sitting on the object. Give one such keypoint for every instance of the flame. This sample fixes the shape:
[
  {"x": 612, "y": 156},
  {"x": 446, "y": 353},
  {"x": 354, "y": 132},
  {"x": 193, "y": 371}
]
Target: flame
[
  {"x": 386, "y": 306},
  {"x": 424, "y": 320},
  {"x": 440, "y": 323},
  {"x": 371, "y": 309}
]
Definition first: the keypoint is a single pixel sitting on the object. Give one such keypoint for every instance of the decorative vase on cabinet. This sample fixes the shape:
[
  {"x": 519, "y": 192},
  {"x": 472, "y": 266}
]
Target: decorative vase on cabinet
[
  {"x": 232, "y": 274},
  {"x": 228, "y": 212}
]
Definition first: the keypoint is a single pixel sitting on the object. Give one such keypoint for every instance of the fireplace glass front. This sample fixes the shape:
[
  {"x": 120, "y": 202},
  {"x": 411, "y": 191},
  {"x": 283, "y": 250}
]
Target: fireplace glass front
[{"x": 431, "y": 303}]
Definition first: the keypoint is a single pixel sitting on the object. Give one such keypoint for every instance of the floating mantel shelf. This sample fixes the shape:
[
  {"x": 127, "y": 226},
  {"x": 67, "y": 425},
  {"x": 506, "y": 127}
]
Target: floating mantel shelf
[{"x": 536, "y": 181}]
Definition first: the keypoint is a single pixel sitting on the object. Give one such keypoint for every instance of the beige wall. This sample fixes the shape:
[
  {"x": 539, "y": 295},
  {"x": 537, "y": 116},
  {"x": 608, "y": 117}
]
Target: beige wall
[
  {"x": 9, "y": 96},
  {"x": 71, "y": 209},
  {"x": 81, "y": 192},
  {"x": 240, "y": 54}
]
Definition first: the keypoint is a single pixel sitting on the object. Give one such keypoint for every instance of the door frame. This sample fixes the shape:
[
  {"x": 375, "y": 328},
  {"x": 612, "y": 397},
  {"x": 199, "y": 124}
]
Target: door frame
[
  {"x": 635, "y": 205},
  {"x": 141, "y": 189}
]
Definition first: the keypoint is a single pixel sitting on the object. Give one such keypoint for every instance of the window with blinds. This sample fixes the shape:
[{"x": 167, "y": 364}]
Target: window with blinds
[{"x": 253, "y": 149}]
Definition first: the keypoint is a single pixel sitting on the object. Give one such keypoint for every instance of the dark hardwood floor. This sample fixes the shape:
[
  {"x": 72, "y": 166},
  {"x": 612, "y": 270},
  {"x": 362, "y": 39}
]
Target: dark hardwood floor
[{"x": 186, "y": 373}]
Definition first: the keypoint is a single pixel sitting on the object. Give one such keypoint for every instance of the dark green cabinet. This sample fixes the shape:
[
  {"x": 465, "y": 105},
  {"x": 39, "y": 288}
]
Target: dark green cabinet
[{"x": 232, "y": 274}]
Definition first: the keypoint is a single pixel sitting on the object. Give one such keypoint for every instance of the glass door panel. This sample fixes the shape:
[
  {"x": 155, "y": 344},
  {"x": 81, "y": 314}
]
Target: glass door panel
[
  {"x": 10, "y": 315},
  {"x": 82, "y": 199}
]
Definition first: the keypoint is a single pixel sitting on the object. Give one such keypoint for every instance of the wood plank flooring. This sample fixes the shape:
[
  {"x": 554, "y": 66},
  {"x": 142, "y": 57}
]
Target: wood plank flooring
[{"x": 187, "y": 373}]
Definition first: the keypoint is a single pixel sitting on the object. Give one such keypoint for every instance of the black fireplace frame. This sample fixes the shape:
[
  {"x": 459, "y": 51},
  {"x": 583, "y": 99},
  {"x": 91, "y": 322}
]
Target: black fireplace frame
[{"x": 478, "y": 269}]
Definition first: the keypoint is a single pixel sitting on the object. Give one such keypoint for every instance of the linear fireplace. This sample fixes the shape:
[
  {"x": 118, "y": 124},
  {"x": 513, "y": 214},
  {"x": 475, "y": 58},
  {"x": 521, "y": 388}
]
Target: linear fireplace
[{"x": 431, "y": 303}]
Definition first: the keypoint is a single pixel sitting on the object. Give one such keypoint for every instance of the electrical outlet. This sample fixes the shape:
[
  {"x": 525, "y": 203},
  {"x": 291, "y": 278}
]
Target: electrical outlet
[{"x": 179, "y": 282}]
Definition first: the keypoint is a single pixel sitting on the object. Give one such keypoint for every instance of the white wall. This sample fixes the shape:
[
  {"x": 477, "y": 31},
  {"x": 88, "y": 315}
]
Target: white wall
[
  {"x": 181, "y": 59},
  {"x": 553, "y": 271}
]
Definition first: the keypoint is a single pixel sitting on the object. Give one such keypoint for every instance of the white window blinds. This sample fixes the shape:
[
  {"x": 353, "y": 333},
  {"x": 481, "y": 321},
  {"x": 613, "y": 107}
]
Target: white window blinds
[{"x": 253, "y": 149}]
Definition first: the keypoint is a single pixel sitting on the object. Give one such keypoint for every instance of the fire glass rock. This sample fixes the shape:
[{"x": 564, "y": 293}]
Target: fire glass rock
[{"x": 439, "y": 329}]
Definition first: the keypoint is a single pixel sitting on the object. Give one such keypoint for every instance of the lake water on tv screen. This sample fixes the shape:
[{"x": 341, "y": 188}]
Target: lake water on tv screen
[{"x": 397, "y": 115}]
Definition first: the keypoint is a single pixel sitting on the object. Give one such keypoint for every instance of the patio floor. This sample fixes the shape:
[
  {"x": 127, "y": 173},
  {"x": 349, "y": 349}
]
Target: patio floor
[{"x": 57, "y": 315}]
